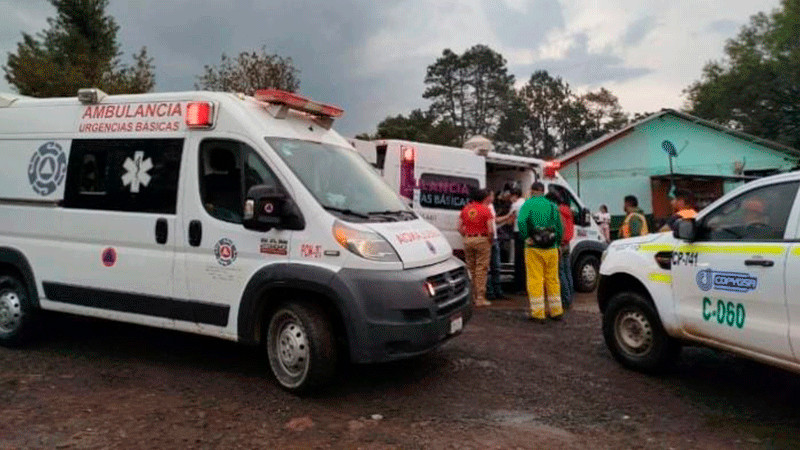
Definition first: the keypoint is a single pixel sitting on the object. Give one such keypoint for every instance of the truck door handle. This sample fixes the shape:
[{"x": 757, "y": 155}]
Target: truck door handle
[
  {"x": 195, "y": 233},
  {"x": 759, "y": 262},
  {"x": 162, "y": 231}
]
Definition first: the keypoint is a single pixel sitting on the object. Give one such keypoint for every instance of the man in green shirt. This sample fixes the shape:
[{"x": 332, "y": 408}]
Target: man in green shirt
[{"x": 540, "y": 225}]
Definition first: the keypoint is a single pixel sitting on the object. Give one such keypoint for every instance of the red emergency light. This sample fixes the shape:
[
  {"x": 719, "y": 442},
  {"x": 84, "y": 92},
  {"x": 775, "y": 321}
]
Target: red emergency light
[
  {"x": 199, "y": 115},
  {"x": 408, "y": 154},
  {"x": 551, "y": 168},
  {"x": 298, "y": 102}
]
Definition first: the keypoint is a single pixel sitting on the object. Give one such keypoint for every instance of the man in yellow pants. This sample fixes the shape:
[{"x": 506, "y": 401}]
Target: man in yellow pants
[{"x": 540, "y": 225}]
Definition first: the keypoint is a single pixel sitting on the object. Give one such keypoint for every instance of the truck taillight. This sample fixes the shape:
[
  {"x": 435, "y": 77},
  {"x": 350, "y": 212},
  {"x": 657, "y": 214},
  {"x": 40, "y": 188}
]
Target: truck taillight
[
  {"x": 407, "y": 181},
  {"x": 199, "y": 115}
]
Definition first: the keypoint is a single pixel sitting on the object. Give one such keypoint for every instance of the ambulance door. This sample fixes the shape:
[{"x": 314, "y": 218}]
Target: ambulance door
[
  {"x": 729, "y": 284},
  {"x": 218, "y": 255},
  {"x": 117, "y": 231}
]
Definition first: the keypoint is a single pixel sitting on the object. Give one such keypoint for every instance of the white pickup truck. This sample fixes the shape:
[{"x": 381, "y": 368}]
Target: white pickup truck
[{"x": 723, "y": 280}]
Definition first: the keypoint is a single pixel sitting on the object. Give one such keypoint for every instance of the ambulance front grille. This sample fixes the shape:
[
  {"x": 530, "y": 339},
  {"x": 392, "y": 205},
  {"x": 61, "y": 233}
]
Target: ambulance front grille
[{"x": 451, "y": 289}]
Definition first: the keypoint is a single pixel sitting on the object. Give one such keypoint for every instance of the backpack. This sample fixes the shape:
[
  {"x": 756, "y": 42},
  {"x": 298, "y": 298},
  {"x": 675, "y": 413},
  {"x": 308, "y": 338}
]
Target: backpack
[{"x": 542, "y": 237}]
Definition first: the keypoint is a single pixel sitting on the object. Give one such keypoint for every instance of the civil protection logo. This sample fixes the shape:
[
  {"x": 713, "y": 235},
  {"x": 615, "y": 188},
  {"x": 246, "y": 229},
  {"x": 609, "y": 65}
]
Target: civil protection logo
[
  {"x": 726, "y": 281},
  {"x": 705, "y": 280},
  {"x": 47, "y": 168},
  {"x": 225, "y": 252}
]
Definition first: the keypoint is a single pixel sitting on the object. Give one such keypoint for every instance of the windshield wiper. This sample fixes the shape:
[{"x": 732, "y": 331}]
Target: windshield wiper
[
  {"x": 397, "y": 212},
  {"x": 346, "y": 211}
]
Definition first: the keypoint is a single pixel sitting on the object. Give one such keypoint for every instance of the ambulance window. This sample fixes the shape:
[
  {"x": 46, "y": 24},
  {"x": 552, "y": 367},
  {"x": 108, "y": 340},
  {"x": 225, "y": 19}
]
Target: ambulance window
[
  {"x": 757, "y": 215},
  {"x": 134, "y": 175},
  {"x": 256, "y": 172},
  {"x": 565, "y": 194},
  {"x": 227, "y": 170},
  {"x": 93, "y": 174},
  {"x": 445, "y": 191}
]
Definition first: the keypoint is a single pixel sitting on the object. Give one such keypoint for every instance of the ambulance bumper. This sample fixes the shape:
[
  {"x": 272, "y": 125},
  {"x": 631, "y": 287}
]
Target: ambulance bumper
[{"x": 395, "y": 315}]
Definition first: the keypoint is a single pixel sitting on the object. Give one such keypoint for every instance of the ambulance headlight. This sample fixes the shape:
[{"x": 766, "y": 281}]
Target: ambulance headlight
[{"x": 365, "y": 244}]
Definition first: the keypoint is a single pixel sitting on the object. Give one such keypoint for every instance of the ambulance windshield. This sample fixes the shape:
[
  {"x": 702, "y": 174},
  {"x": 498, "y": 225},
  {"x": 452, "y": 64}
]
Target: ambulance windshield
[{"x": 340, "y": 180}]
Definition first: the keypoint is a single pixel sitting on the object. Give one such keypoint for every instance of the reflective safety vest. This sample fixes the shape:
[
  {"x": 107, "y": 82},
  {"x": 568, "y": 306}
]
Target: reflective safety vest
[{"x": 625, "y": 230}]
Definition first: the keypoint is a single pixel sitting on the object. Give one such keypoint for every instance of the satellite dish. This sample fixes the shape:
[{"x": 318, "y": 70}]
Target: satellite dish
[{"x": 669, "y": 147}]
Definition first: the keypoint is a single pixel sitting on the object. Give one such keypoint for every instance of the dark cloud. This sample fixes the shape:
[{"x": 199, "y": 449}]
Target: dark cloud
[
  {"x": 328, "y": 44},
  {"x": 638, "y": 30},
  {"x": 528, "y": 29},
  {"x": 581, "y": 66}
]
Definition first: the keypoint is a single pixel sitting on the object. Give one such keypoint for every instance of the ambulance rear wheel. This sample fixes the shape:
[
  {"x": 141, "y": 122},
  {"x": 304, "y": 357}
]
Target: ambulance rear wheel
[
  {"x": 634, "y": 334},
  {"x": 16, "y": 313},
  {"x": 301, "y": 347}
]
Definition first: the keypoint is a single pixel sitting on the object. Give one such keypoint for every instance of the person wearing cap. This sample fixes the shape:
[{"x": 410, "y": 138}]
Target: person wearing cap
[
  {"x": 540, "y": 225},
  {"x": 682, "y": 207},
  {"x": 476, "y": 225}
]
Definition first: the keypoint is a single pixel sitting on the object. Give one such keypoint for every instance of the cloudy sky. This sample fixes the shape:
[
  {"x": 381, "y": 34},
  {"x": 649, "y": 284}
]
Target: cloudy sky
[{"x": 370, "y": 56}]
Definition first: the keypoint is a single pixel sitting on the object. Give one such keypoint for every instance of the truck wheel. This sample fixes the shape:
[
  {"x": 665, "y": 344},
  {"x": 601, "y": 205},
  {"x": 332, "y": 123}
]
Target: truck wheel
[
  {"x": 16, "y": 314},
  {"x": 301, "y": 347},
  {"x": 634, "y": 334},
  {"x": 586, "y": 273}
]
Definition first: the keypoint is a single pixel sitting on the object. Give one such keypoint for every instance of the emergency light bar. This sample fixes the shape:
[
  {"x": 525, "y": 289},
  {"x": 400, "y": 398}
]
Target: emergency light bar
[{"x": 298, "y": 102}]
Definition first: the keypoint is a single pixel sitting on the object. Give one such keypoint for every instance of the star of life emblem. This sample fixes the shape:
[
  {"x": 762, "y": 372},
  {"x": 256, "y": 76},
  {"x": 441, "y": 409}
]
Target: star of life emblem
[{"x": 137, "y": 168}]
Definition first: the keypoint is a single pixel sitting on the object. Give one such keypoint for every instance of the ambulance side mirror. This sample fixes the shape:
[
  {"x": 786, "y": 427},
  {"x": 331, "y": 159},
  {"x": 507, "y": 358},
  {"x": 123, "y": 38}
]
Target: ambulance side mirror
[
  {"x": 267, "y": 207},
  {"x": 686, "y": 230}
]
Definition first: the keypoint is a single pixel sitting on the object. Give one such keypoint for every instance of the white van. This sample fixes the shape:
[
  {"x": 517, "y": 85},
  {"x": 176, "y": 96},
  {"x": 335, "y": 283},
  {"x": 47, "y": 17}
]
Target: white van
[
  {"x": 241, "y": 217},
  {"x": 437, "y": 180}
]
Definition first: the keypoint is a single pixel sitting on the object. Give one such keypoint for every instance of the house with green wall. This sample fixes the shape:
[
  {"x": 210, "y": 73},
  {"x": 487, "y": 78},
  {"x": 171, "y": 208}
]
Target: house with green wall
[{"x": 709, "y": 160}]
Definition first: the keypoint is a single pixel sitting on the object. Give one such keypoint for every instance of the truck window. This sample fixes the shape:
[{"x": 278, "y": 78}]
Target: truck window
[
  {"x": 444, "y": 191},
  {"x": 757, "y": 215},
  {"x": 134, "y": 175},
  {"x": 228, "y": 169}
]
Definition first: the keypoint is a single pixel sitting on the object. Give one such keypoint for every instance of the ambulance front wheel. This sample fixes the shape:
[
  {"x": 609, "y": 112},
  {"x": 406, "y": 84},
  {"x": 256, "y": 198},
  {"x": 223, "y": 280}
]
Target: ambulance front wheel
[
  {"x": 586, "y": 273},
  {"x": 635, "y": 336},
  {"x": 301, "y": 346},
  {"x": 16, "y": 314}
]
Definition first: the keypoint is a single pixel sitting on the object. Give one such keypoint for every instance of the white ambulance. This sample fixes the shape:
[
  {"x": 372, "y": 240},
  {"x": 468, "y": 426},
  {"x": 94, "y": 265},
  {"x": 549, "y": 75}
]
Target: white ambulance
[
  {"x": 436, "y": 181},
  {"x": 241, "y": 217},
  {"x": 724, "y": 280}
]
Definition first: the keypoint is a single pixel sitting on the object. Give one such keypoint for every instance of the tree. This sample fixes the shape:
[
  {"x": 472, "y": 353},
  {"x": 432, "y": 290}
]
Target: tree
[
  {"x": 78, "y": 50},
  {"x": 250, "y": 71},
  {"x": 755, "y": 88},
  {"x": 419, "y": 126},
  {"x": 470, "y": 90},
  {"x": 547, "y": 118},
  {"x": 545, "y": 98},
  {"x": 605, "y": 112}
]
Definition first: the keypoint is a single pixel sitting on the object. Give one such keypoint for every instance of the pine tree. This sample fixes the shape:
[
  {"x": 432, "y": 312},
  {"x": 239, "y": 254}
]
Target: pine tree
[{"x": 78, "y": 50}]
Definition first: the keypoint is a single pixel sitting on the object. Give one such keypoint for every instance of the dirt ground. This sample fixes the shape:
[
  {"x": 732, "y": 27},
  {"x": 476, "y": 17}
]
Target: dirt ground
[{"x": 504, "y": 383}]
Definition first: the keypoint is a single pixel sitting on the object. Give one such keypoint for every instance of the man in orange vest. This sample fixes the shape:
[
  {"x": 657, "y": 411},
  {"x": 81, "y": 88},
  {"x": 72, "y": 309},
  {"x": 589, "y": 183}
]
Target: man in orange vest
[
  {"x": 683, "y": 207},
  {"x": 635, "y": 223}
]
